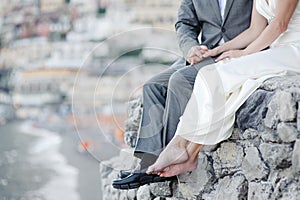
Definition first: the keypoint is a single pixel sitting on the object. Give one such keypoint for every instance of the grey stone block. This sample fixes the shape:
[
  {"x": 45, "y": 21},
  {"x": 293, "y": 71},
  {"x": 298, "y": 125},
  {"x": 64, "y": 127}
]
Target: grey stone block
[
  {"x": 282, "y": 107},
  {"x": 270, "y": 135},
  {"x": 232, "y": 187},
  {"x": 272, "y": 116},
  {"x": 132, "y": 122},
  {"x": 109, "y": 193},
  {"x": 227, "y": 158},
  {"x": 298, "y": 117},
  {"x": 253, "y": 111},
  {"x": 296, "y": 158},
  {"x": 211, "y": 195},
  {"x": 253, "y": 136},
  {"x": 131, "y": 194},
  {"x": 123, "y": 195},
  {"x": 287, "y": 106},
  {"x": 253, "y": 167},
  {"x": 249, "y": 134},
  {"x": 295, "y": 93},
  {"x": 276, "y": 176},
  {"x": 130, "y": 138},
  {"x": 143, "y": 193},
  {"x": 260, "y": 191},
  {"x": 281, "y": 83},
  {"x": 162, "y": 189},
  {"x": 287, "y": 133},
  {"x": 287, "y": 190},
  {"x": 185, "y": 192},
  {"x": 191, "y": 184},
  {"x": 236, "y": 134},
  {"x": 278, "y": 156}
]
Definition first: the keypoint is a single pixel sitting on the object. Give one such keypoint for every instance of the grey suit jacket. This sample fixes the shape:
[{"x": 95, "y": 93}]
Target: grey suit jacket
[{"x": 203, "y": 16}]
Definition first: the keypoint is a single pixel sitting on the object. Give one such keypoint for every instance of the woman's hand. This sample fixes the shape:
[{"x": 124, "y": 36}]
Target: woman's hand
[
  {"x": 231, "y": 54},
  {"x": 213, "y": 52}
]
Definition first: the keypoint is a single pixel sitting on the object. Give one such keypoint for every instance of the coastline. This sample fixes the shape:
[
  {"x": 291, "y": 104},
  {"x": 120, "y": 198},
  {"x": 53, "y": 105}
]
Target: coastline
[
  {"x": 46, "y": 152},
  {"x": 42, "y": 164}
]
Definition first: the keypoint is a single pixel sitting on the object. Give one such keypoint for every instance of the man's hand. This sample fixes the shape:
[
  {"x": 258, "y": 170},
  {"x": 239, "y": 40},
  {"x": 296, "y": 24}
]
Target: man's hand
[{"x": 196, "y": 53}]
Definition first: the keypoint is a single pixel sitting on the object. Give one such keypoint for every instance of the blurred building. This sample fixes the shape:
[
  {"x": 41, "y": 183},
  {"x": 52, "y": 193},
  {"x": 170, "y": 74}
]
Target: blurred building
[
  {"x": 19, "y": 53},
  {"x": 47, "y": 42},
  {"x": 158, "y": 13},
  {"x": 50, "y": 5},
  {"x": 34, "y": 18},
  {"x": 40, "y": 87},
  {"x": 85, "y": 7}
]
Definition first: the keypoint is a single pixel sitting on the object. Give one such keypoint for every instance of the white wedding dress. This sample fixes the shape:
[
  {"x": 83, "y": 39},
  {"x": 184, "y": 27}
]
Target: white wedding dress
[{"x": 221, "y": 88}]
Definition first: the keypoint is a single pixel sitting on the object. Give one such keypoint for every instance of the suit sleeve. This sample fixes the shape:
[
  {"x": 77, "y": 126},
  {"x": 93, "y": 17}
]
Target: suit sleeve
[{"x": 187, "y": 26}]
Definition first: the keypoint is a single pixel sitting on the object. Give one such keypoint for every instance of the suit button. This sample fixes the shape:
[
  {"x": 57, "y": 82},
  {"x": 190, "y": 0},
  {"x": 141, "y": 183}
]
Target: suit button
[{"x": 223, "y": 29}]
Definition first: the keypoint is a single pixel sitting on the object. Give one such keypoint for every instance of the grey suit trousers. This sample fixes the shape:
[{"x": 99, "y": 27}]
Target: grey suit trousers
[{"x": 165, "y": 97}]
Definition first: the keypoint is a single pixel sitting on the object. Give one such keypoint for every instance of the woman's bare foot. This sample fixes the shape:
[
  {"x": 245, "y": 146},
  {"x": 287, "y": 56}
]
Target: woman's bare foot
[
  {"x": 177, "y": 169},
  {"x": 172, "y": 155}
]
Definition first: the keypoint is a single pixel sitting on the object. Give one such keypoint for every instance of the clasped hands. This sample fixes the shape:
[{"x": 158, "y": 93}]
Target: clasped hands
[{"x": 198, "y": 53}]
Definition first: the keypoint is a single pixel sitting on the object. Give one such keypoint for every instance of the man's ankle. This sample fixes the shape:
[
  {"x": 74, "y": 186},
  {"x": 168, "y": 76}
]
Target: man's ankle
[{"x": 147, "y": 159}]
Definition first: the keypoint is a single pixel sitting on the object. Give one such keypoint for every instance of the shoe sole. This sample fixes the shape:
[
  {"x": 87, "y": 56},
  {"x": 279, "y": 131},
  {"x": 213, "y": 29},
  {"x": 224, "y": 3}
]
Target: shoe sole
[{"x": 142, "y": 182}]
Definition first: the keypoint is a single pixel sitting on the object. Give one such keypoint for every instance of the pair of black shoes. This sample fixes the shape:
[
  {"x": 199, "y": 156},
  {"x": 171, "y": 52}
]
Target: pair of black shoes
[{"x": 137, "y": 178}]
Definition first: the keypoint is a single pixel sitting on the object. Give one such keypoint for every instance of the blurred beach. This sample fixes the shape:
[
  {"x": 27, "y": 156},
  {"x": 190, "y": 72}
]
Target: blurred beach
[{"x": 39, "y": 164}]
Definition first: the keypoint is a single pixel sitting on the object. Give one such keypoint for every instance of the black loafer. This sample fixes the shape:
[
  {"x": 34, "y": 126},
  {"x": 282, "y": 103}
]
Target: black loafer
[
  {"x": 124, "y": 173},
  {"x": 137, "y": 179}
]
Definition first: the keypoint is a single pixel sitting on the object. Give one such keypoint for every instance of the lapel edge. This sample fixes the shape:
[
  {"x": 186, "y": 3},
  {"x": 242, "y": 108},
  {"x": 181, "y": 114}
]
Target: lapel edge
[
  {"x": 227, "y": 9},
  {"x": 215, "y": 5}
]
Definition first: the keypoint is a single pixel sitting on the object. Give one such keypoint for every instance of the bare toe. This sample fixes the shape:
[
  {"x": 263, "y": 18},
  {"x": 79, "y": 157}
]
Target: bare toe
[{"x": 152, "y": 170}]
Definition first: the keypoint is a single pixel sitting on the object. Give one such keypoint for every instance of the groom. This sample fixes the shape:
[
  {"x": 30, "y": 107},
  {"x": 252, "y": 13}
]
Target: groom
[{"x": 165, "y": 95}]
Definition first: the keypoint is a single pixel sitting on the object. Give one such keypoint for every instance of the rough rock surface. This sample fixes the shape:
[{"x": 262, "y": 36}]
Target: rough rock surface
[
  {"x": 260, "y": 161},
  {"x": 133, "y": 121}
]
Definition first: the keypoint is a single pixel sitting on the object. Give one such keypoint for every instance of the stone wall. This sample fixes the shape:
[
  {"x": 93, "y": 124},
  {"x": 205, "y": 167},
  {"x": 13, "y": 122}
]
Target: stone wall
[{"x": 261, "y": 160}]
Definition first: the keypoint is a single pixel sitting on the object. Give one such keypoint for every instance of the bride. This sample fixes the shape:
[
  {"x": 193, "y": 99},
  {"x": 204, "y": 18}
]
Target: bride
[{"x": 221, "y": 88}]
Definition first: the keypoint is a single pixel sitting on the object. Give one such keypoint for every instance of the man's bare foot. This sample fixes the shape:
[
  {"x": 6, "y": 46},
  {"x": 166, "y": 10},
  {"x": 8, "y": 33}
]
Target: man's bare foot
[
  {"x": 177, "y": 169},
  {"x": 172, "y": 155}
]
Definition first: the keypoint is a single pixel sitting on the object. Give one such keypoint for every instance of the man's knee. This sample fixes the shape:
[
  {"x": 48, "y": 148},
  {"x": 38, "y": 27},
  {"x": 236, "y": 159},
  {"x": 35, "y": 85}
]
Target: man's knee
[
  {"x": 203, "y": 63},
  {"x": 182, "y": 79},
  {"x": 151, "y": 87}
]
